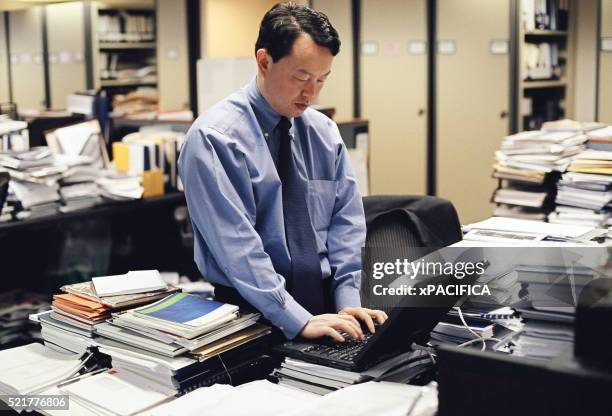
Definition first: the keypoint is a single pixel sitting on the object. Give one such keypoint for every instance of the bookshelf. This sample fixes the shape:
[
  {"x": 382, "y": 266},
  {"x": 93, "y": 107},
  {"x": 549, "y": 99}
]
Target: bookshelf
[
  {"x": 544, "y": 64},
  {"x": 125, "y": 46}
]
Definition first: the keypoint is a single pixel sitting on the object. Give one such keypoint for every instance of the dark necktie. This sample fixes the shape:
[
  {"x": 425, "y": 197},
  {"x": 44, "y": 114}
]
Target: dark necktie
[{"x": 305, "y": 281}]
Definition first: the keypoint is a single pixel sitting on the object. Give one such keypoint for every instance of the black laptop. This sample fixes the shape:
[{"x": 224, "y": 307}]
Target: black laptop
[{"x": 410, "y": 321}]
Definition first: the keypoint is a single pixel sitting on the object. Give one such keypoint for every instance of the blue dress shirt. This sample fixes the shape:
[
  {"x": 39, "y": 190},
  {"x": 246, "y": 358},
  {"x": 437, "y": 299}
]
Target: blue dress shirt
[{"x": 234, "y": 197}]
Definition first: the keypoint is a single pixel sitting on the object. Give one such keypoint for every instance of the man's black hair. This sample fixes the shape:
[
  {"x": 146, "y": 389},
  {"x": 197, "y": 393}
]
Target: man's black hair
[{"x": 284, "y": 22}]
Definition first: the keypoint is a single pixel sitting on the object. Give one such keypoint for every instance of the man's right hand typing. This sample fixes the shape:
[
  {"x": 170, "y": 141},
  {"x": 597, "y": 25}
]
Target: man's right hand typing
[{"x": 329, "y": 324}]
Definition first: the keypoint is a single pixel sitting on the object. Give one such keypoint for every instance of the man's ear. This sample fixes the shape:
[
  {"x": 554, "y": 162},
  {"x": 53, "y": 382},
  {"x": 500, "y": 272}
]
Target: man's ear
[{"x": 263, "y": 60}]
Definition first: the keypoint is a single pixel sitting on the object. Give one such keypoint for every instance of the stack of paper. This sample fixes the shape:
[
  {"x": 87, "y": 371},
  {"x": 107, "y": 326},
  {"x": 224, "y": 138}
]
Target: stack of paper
[
  {"x": 246, "y": 399},
  {"x": 79, "y": 196},
  {"x": 186, "y": 372},
  {"x": 540, "y": 151},
  {"x": 600, "y": 139},
  {"x": 528, "y": 166},
  {"x": 584, "y": 199},
  {"x": 35, "y": 198},
  {"x": 71, "y": 321},
  {"x": 86, "y": 290},
  {"x": 73, "y": 307},
  {"x": 523, "y": 231},
  {"x": 41, "y": 179},
  {"x": 322, "y": 380},
  {"x": 110, "y": 393},
  {"x": 314, "y": 378},
  {"x": 445, "y": 330},
  {"x": 120, "y": 186},
  {"x": 34, "y": 367},
  {"x": 592, "y": 161}
]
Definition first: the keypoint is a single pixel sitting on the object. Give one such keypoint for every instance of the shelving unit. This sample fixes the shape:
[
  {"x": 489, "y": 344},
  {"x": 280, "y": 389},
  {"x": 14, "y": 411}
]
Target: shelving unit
[
  {"x": 544, "y": 64},
  {"x": 125, "y": 47}
]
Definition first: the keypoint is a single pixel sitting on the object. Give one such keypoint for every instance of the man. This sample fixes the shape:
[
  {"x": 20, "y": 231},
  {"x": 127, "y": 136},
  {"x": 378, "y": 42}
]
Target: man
[{"x": 278, "y": 220}]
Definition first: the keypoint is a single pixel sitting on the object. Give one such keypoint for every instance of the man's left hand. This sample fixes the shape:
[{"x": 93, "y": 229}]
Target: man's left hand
[{"x": 366, "y": 315}]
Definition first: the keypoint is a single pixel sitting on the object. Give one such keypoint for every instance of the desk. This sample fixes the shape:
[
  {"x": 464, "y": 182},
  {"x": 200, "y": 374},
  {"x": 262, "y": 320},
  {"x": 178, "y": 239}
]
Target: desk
[{"x": 41, "y": 254}]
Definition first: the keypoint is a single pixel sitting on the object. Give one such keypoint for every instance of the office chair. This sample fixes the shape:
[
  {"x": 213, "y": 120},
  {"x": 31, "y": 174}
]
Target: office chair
[
  {"x": 404, "y": 227},
  {"x": 4, "y": 183}
]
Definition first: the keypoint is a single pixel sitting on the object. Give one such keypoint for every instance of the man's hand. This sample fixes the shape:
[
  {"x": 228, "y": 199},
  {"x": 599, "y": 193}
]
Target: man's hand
[
  {"x": 365, "y": 315},
  {"x": 329, "y": 323}
]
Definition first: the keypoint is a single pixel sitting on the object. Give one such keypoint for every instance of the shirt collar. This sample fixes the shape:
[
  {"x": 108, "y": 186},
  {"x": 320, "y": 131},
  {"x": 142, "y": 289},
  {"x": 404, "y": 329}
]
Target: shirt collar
[{"x": 267, "y": 117}]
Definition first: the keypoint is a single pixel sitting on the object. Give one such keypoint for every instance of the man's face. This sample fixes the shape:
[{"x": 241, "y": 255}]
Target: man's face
[{"x": 293, "y": 83}]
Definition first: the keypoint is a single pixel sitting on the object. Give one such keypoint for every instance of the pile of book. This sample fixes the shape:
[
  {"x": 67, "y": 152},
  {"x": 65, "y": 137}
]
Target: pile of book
[
  {"x": 528, "y": 166},
  {"x": 15, "y": 307}
]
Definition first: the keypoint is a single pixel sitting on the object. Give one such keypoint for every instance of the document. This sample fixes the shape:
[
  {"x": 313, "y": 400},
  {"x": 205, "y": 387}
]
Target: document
[
  {"x": 108, "y": 392},
  {"x": 31, "y": 368},
  {"x": 141, "y": 281}
]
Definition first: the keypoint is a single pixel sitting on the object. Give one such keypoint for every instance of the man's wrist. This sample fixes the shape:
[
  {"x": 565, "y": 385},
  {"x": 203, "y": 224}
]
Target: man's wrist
[
  {"x": 291, "y": 318},
  {"x": 347, "y": 297}
]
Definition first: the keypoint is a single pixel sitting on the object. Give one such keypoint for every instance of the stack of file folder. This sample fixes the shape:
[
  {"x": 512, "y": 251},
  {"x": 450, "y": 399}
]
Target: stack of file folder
[{"x": 72, "y": 321}]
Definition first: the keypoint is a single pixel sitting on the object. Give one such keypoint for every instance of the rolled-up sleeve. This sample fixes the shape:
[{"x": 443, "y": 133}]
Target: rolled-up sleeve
[
  {"x": 221, "y": 223},
  {"x": 346, "y": 235}
]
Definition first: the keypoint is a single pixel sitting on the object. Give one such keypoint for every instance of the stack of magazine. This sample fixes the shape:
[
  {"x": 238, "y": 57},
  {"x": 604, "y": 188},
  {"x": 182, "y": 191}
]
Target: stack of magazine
[
  {"x": 182, "y": 322},
  {"x": 76, "y": 313}
]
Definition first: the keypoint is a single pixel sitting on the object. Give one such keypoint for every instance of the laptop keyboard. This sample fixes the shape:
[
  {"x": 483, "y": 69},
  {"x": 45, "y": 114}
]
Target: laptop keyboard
[{"x": 346, "y": 350}]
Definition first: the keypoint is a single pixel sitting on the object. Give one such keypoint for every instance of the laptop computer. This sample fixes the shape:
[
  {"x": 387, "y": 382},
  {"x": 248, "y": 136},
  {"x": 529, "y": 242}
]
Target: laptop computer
[{"x": 410, "y": 321}]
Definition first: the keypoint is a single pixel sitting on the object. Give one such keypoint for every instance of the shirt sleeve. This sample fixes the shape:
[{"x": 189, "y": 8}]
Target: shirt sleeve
[
  {"x": 220, "y": 219},
  {"x": 347, "y": 231}
]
